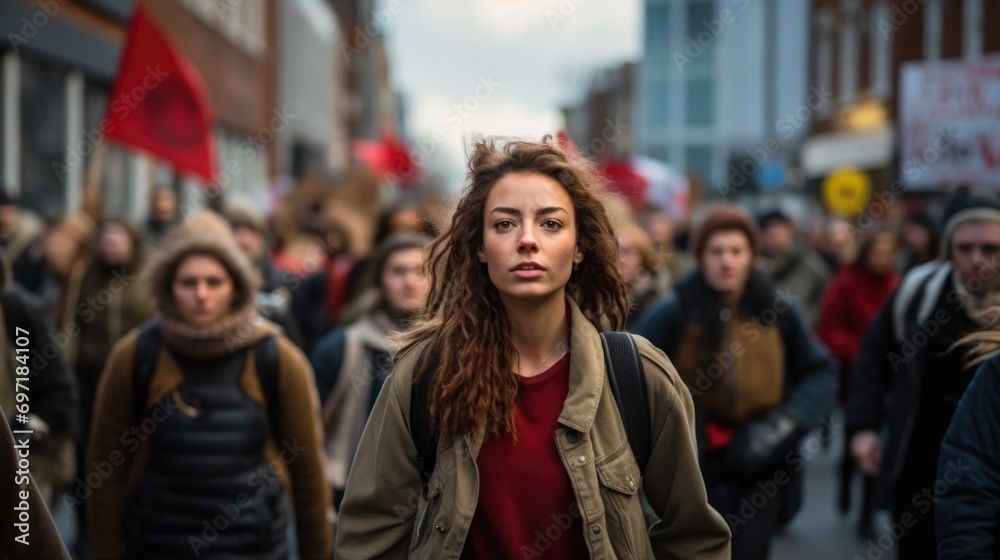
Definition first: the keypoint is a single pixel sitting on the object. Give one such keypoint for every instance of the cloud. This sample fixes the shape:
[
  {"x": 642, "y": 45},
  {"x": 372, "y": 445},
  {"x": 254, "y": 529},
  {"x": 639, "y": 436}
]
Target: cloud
[{"x": 542, "y": 52}]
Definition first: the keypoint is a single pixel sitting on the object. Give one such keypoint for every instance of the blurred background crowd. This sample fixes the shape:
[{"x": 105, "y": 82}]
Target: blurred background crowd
[{"x": 840, "y": 126}]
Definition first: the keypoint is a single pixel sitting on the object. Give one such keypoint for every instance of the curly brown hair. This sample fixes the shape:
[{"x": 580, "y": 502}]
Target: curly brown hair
[{"x": 475, "y": 385}]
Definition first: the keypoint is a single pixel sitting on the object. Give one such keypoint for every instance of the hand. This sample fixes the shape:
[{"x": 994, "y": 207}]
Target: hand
[
  {"x": 867, "y": 451},
  {"x": 762, "y": 444}
]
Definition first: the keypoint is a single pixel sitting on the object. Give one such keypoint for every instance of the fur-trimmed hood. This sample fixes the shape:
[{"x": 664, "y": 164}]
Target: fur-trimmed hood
[{"x": 205, "y": 233}]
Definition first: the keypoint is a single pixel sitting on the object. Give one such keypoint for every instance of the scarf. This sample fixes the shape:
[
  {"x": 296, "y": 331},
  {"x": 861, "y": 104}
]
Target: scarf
[
  {"x": 238, "y": 330},
  {"x": 977, "y": 305}
]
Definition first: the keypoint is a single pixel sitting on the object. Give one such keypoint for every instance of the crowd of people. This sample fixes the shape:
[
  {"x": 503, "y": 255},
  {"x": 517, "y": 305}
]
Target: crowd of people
[{"x": 201, "y": 387}]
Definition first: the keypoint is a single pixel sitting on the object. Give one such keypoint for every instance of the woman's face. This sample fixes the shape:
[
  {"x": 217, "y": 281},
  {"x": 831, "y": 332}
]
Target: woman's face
[
  {"x": 404, "y": 285},
  {"x": 203, "y": 289},
  {"x": 60, "y": 250},
  {"x": 882, "y": 256},
  {"x": 116, "y": 245},
  {"x": 727, "y": 261},
  {"x": 630, "y": 257},
  {"x": 916, "y": 237},
  {"x": 529, "y": 237}
]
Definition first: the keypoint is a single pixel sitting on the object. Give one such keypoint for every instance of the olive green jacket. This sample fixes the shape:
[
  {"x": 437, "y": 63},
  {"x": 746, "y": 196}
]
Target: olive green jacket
[{"x": 383, "y": 515}]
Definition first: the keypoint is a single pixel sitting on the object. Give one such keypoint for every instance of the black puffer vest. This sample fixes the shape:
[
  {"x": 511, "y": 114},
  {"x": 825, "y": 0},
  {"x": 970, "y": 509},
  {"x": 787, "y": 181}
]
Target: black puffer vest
[{"x": 207, "y": 491}]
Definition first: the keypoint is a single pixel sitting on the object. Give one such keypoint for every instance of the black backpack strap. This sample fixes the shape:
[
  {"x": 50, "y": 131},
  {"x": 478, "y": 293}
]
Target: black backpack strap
[
  {"x": 147, "y": 350},
  {"x": 266, "y": 364},
  {"x": 628, "y": 383},
  {"x": 420, "y": 420}
]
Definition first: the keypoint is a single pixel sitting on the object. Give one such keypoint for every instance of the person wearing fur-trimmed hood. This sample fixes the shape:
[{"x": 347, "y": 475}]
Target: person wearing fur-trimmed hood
[{"x": 212, "y": 438}]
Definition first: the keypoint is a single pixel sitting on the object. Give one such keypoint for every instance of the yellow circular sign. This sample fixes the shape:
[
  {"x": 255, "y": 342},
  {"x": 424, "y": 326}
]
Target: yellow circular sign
[{"x": 846, "y": 191}]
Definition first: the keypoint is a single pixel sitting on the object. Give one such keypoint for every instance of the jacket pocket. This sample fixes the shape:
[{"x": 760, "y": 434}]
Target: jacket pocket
[
  {"x": 423, "y": 524},
  {"x": 619, "y": 477}
]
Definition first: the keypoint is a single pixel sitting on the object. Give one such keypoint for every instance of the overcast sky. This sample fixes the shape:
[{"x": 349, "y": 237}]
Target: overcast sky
[{"x": 538, "y": 55}]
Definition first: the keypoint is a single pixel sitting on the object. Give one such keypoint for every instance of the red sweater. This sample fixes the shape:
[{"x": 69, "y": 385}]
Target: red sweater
[
  {"x": 851, "y": 302},
  {"x": 527, "y": 508}
]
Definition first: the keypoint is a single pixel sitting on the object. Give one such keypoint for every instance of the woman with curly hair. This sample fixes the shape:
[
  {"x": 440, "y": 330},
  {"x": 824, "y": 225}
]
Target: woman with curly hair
[{"x": 532, "y": 459}]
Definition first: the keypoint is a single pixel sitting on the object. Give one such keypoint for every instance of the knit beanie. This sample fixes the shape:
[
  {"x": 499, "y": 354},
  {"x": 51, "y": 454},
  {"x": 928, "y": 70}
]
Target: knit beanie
[
  {"x": 964, "y": 205},
  {"x": 725, "y": 217}
]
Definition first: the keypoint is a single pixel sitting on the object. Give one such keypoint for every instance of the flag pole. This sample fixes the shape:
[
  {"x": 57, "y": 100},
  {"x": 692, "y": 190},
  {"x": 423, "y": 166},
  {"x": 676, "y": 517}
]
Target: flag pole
[{"x": 92, "y": 182}]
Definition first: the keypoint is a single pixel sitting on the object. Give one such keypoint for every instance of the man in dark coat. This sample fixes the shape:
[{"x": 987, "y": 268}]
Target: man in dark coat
[{"x": 908, "y": 377}]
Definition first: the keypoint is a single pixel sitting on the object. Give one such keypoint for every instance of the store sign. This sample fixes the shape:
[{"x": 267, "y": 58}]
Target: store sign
[
  {"x": 950, "y": 124},
  {"x": 846, "y": 191}
]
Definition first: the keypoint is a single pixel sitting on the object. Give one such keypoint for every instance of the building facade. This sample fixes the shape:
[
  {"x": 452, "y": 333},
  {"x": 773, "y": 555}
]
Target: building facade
[
  {"x": 273, "y": 72},
  {"x": 601, "y": 125},
  {"x": 860, "y": 47},
  {"x": 717, "y": 79}
]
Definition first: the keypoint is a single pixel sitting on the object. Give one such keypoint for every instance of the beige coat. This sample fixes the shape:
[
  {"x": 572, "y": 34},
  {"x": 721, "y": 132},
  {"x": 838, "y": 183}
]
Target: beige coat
[{"x": 383, "y": 515}]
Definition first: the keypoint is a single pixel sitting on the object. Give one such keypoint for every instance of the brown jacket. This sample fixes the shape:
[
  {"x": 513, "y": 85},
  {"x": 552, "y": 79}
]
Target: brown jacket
[
  {"x": 299, "y": 420},
  {"x": 383, "y": 515}
]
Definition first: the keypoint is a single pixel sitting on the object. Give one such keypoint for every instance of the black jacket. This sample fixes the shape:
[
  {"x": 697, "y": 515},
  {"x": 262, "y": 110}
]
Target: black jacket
[
  {"x": 52, "y": 387},
  {"x": 967, "y": 516},
  {"x": 886, "y": 383}
]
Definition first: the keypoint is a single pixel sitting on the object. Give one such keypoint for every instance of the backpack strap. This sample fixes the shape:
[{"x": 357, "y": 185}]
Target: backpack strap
[
  {"x": 420, "y": 420},
  {"x": 628, "y": 384},
  {"x": 147, "y": 350},
  {"x": 933, "y": 273},
  {"x": 266, "y": 365}
]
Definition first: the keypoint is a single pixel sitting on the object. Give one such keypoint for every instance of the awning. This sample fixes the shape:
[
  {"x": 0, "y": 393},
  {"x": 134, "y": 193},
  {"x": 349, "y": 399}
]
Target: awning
[{"x": 824, "y": 153}]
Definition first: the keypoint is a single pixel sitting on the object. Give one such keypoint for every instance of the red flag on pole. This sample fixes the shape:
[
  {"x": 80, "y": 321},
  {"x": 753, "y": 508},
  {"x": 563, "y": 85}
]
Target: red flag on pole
[
  {"x": 159, "y": 102},
  {"x": 388, "y": 158}
]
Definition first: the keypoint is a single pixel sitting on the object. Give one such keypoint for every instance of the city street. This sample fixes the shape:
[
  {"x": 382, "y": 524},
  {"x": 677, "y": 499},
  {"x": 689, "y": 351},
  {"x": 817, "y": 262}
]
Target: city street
[{"x": 819, "y": 532}]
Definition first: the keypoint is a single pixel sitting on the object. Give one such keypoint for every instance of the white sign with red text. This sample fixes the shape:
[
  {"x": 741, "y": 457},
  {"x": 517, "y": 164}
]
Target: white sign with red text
[{"x": 949, "y": 117}]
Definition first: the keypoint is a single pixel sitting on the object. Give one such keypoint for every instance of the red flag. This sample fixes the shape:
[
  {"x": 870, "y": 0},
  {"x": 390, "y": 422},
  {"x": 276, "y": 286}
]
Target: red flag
[
  {"x": 624, "y": 179},
  {"x": 565, "y": 143},
  {"x": 159, "y": 103},
  {"x": 387, "y": 157}
]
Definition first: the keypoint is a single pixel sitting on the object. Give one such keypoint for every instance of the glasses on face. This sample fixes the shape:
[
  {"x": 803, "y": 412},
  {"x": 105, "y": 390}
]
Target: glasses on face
[{"x": 987, "y": 249}]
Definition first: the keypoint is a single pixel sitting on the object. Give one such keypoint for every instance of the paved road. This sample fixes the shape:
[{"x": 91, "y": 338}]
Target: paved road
[{"x": 820, "y": 532}]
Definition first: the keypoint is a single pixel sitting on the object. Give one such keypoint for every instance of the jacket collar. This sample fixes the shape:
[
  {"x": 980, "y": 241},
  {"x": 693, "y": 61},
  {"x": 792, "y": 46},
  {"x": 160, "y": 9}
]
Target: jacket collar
[
  {"x": 586, "y": 378},
  {"x": 586, "y": 372}
]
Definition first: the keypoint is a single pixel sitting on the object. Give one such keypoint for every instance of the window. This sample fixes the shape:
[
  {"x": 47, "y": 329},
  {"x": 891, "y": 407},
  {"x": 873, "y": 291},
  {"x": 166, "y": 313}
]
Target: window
[
  {"x": 43, "y": 138},
  {"x": 932, "y": 30},
  {"x": 115, "y": 183},
  {"x": 658, "y": 151},
  {"x": 698, "y": 158},
  {"x": 657, "y": 29},
  {"x": 3, "y": 129},
  {"x": 699, "y": 109},
  {"x": 881, "y": 51},
  {"x": 700, "y": 16},
  {"x": 848, "y": 71},
  {"x": 243, "y": 22},
  {"x": 972, "y": 34},
  {"x": 824, "y": 55},
  {"x": 657, "y": 110}
]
